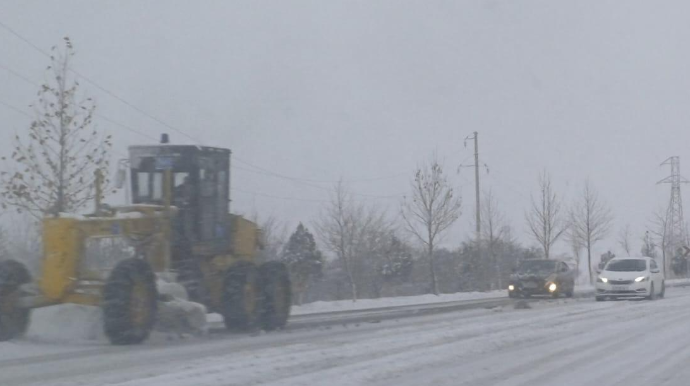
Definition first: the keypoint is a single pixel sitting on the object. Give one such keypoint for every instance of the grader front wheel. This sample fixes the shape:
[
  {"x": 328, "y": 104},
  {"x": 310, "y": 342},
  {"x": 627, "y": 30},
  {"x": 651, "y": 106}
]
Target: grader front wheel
[
  {"x": 241, "y": 297},
  {"x": 130, "y": 302},
  {"x": 277, "y": 291},
  {"x": 13, "y": 320}
]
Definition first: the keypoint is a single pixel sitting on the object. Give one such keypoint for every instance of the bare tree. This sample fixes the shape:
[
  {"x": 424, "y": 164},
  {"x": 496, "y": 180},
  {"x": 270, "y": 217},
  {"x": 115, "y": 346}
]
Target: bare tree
[
  {"x": 545, "y": 219},
  {"x": 338, "y": 231},
  {"x": 371, "y": 245},
  {"x": 659, "y": 229},
  {"x": 431, "y": 210},
  {"x": 624, "y": 239},
  {"x": 54, "y": 168},
  {"x": 576, "y": 247},
  {"x": 357, "y": 235},
  {"x": 494, "y": 229},
  {"x": 590, "y": 221},
  {"x": 648, "y": 246}
]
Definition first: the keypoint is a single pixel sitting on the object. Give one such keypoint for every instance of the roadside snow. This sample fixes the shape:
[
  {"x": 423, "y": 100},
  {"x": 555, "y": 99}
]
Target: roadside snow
[
  {"x": 68, "y": 323},
  {"x": 363, "y": 304}
]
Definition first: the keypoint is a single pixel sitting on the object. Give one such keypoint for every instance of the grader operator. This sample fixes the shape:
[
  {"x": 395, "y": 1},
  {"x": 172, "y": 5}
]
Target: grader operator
[{"x": 178, "y": 228}]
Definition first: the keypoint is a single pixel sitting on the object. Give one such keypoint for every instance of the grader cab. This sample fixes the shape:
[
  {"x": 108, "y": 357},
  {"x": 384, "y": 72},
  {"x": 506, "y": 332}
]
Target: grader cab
[{"x": 177, "y": 231}]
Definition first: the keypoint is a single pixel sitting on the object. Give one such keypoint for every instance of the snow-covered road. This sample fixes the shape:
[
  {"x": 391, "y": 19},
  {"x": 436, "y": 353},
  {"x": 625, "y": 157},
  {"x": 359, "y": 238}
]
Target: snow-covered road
[{"x": 566, "y": 342}]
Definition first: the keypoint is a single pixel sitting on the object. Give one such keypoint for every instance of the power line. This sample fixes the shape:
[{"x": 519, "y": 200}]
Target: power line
[
  {"x": 29, "y": 115},
  {"x": 329, "y": 190},
  {"x": 278, "y": 197},
  {"x": 125, "y": 102},
  {"x": 267, "y": 172},
  {"x": 24, "y": 78},
  {"x": 15, "y": 109},
  {"x": 98, "y": 86},
  {"x": 279, "y": 175},
  {"x": 18, "y": 75}
]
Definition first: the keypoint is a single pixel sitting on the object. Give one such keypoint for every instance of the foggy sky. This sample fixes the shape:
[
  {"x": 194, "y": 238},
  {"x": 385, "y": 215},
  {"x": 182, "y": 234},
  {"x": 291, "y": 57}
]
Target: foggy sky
[{"x": 320, "y": 90}]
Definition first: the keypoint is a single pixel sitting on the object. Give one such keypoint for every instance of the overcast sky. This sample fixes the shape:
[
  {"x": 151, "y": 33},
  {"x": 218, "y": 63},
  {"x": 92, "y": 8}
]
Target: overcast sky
[{"x": 365, "y": 90}]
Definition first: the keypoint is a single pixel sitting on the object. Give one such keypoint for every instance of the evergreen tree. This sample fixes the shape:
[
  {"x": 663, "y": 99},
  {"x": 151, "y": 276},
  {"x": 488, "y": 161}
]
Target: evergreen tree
[{"x": 303, "y": 259}]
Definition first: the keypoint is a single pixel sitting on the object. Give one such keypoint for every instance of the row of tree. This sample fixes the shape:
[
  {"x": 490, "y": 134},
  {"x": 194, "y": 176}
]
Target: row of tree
[
  {"x": 52, "y": 169},
  {"x": 372, "y": 251}
]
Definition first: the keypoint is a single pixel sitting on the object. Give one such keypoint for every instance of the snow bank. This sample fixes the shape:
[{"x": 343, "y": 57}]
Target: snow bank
[
  {"x": 78, "y": 324},
  {"x": 363, "y": 304},
  {"x": 181, "y": 316},
  {"x": 68, "y": 323}
]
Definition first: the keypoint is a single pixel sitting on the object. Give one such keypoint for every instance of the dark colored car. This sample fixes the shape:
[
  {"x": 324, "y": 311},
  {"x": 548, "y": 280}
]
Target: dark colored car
[{"x": 542, "y": 277}]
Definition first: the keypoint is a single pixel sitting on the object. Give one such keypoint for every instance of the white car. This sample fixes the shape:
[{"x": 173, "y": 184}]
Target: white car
[{"x": 628, "y": 277}]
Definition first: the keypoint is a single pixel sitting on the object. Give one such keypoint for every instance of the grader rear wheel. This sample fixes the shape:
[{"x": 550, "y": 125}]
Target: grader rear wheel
[
  {"x": 13, "y": 320},
  {"x": 130, "y": 302},
  {"x": 241, "y": 297},
  {"x": 277, "y": 292}
]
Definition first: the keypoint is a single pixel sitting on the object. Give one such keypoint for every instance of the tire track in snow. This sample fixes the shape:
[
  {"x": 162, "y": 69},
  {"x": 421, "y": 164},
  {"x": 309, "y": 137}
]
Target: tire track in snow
[
  {"x": 522, "y": 366},
  {"x": 421, "y": 360}
]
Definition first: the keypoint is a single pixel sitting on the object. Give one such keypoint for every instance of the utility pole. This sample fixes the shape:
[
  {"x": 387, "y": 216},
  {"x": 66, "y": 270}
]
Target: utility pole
[
  {"x": 675, "y": 225},
  {"x": 476, "y": 183},
  {"x": 475, "y": 137}
]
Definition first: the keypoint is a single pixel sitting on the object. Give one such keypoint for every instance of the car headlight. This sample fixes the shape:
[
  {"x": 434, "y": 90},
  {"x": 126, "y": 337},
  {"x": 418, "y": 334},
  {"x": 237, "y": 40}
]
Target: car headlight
[
  {"x": 602, "y": 280},
  {"x": 553, "y": 287},
  {"x": 640, "y": 279},
  {"x": 511, "y": 288}
]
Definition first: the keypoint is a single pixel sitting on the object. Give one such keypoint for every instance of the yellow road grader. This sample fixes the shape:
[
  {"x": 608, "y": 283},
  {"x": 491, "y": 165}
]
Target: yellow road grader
[{"x": 178, "y": 230}]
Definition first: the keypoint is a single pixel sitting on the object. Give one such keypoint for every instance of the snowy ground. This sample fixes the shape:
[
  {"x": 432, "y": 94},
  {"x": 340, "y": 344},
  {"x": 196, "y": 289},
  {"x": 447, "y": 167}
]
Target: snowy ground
[
  {"x": 567, "y": 342},
  {"x": 362, "y": 304}
]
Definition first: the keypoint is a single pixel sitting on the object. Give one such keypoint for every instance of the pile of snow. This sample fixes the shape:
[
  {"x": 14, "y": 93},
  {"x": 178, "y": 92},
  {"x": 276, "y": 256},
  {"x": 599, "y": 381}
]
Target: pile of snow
[
  {"x": 182, "y": 317},
  {"x": 67, "y": 323},
  {"x": 79, "y": 324}
]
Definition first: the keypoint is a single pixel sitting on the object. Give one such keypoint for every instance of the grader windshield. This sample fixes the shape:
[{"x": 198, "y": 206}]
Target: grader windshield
[{"x": 200, "y": 189}]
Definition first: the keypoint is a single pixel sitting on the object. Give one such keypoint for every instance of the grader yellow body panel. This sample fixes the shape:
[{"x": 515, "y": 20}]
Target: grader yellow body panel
[
  {"x": 245, "y": 237},
  {"x": 71, "y": 274},
  {"x": 61, "y": 248}
]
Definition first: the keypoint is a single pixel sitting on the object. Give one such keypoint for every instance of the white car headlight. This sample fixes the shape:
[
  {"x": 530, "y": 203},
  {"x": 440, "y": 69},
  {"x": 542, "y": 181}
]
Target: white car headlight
[
  {"x": 640, "y": 279},
  {"x": 603, "y": 280},
  {"x": 553, "y": 287},
  {"x": 511, "y": 288}
]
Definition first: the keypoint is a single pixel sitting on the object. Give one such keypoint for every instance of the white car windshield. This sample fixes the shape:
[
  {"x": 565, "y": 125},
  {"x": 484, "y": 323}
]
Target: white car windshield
[{"x": 627, "y": 265}]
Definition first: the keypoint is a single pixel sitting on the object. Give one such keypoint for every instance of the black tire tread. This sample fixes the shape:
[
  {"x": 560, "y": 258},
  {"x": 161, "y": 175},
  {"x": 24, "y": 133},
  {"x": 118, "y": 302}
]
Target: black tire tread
[
  {"x": 117, "y": 323},
  {"x": 233, "y": 308},
  {"x": 275, "y": 273},
  {"x": 12, "y": 275}
]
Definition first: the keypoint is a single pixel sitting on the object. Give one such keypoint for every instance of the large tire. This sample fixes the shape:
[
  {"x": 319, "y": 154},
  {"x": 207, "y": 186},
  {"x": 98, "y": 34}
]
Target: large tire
[
  {"x": 13, "y": 320},
  {"x": 241, "y": 297},
  {"x": 652, "y": 294},
  {"x": 277, "y": 295},
  {"x": 130, "y": 302}
]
